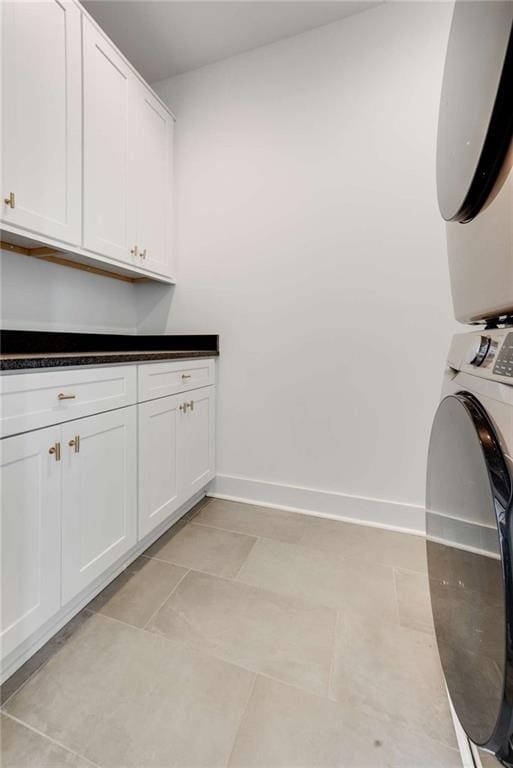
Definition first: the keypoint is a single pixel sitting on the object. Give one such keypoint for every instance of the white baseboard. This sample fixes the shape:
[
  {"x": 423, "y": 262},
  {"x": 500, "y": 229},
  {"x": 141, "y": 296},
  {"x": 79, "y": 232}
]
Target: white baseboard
[
  {"x": 393, "y": 515},
  {"x": 28, "y": 648}
]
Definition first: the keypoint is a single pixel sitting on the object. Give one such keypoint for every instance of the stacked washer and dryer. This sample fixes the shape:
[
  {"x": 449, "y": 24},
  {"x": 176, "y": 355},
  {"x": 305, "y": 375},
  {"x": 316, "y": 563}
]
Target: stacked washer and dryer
[{"x": 469, "y": 498}]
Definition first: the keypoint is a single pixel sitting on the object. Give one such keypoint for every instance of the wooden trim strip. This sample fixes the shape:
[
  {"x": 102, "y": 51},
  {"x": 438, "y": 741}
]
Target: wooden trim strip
[{"x": 55, "y": 257}]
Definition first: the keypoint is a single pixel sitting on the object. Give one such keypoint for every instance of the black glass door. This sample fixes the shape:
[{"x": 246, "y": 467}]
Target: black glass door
[
  {"x": 468, "y": 508},
  {"x": 476, "y": 106}
]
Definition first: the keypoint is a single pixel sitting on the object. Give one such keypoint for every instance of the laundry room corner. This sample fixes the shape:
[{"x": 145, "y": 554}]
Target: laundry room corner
[{"x": 330, "y": 290}]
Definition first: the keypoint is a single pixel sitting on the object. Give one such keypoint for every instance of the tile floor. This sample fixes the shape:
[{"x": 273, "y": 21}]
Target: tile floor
[{"x": 243, "y": 637}]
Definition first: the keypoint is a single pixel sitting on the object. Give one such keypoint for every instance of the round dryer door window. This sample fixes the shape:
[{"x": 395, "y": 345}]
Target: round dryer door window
[
  {"x": 468, "y": 504},
  {"x": 476, "y": 107}
]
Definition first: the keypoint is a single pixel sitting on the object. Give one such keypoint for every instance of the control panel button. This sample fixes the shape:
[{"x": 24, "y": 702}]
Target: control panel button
[{"x": 504, "y": 362}]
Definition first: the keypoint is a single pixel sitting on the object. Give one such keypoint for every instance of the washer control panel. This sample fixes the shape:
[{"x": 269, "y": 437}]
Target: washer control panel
[
  {"x": 487, "y": 354},
  {"x": 504, "y": 360}
]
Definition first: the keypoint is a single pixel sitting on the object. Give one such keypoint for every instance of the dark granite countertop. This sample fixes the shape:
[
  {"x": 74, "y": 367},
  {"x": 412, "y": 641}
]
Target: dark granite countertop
[{"x": 21, "y": 350}]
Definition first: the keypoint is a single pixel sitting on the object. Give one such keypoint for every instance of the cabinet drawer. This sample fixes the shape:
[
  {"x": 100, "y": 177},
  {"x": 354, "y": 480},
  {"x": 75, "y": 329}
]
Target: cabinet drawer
[
  {"x": 162, "y": 379},
  {"x": 33, "y": 400}
]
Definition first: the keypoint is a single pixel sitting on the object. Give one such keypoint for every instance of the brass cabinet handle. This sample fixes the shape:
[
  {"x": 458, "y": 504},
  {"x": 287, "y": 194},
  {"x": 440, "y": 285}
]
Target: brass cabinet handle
[
  {"x": 191, "y": 405},
  {"x": 11, "y": 200},
  {"x": 183, "y": 407},
  {"x": 134, "y": 251},
  {"x": 186, "y": 375},
  {"x": 143, "y": 254},
  {"x": 55, "y": 450},
  {"x": 62, "y": 396},
  {"x": 75, "y": 443}
]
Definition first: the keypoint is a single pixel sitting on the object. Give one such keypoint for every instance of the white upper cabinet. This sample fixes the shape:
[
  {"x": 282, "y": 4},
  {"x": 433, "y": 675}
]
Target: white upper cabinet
[
  {"x": 41, "y": 118},
  {"x": 109, "y": 143},
  {"x": 153, "y": 183},
  {"x": 86, "y": 145}
]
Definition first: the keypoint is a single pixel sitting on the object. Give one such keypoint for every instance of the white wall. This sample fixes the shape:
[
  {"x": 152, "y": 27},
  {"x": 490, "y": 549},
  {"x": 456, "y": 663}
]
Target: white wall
[
  {"x": 37, "y": 295},
  {"x": 309, "y": 238}
]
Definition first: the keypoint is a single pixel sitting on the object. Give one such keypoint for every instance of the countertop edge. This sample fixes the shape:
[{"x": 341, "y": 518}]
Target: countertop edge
[{"x": 41, "y": 361}]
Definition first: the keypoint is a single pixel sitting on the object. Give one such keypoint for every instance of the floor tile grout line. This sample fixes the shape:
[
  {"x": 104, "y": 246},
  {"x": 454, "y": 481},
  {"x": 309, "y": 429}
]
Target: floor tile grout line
[
  {"x": 236, "y": 575},
  {"x": 304, "y": 544},
  {"x": 396, "y": 598},
  {"x": 210, "y": 654},
  {"x": 254, "y": 672},
  {"x": 401, "y": 568},
  {"x": 242, "y": 718},
  {"x": 112, "y": 618},
  {"x": 333, "y": 653},
  {"x": 44, "y": 663},
  {"x": 146, "y": 625},
  {"x": 95, "y": 612},
  {"x": 234, "y": 579},
  {"x": 338, "y": 702},
  {"x": 301, "y": 541},
  {"x": 23, "y": 684},
  {"x": 298, "y": 598},
  {"x": 245, "y": 533},
  {"x": 197, "y": 570},
  {"x": 207, "y": 653},
  {"x": 224, "y": 530},
  {"x": 49, "y": 738}
]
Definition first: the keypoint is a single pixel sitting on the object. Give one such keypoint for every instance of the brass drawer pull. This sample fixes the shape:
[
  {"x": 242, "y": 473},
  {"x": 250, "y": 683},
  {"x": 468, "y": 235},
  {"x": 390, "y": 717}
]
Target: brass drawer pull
[
  {"x": 134, "y": 251},
  {"x": 143, "y": 254},
  {"x": 75, "y": 443},
  {"x": 191, "y": 405},
  {"x": 55, "y": 450},
  {"x": 62, "y": 396},
  {"x": 186, "y": 376},
  {"x": 11, "y": 200},
  {"x": 183, "y": 407}
]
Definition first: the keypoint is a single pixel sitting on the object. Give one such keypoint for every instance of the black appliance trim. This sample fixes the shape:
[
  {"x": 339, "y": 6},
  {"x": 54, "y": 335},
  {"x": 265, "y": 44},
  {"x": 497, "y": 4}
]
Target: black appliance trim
[
  {"x": 496, "y": 145},
  {"x": 501, "y": 487}
]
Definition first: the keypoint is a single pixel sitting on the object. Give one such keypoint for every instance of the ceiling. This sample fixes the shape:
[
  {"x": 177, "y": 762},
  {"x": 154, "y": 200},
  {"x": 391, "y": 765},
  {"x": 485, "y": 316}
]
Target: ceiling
[{"x": 163, "y": 38}]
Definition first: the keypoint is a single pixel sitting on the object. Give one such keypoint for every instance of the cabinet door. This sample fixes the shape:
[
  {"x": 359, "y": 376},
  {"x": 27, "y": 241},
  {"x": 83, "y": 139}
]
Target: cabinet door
[
  {"x": 30, "y": 534},
  {"x": 158, "y": 454},
  {"x": 154, "y": 200},
  {"x": 109, "y": 191},
  {"x": 41, "y": 118},
  {"x": 196, "y": 442},
  {"x": 99, "y": 502}
]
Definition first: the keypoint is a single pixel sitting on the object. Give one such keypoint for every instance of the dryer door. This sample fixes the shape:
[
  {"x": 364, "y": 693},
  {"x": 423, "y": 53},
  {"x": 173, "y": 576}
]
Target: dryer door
[
  {"x": 475, "y": 122},
  {"x": 468, "y": 547}
]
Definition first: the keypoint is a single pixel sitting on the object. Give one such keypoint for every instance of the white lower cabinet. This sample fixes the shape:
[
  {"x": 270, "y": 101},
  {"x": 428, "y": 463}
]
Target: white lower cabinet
[
  {"x": 176, "y": 453},
  {"x": 99, "y": 495},
  {"x": 158, "y": 454},
  {"x": 30, "y": 534},
  {"x": 196, "y": 441},
  {"x": 77, "y": 497},
  {"x": 69, "y": 511}
]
